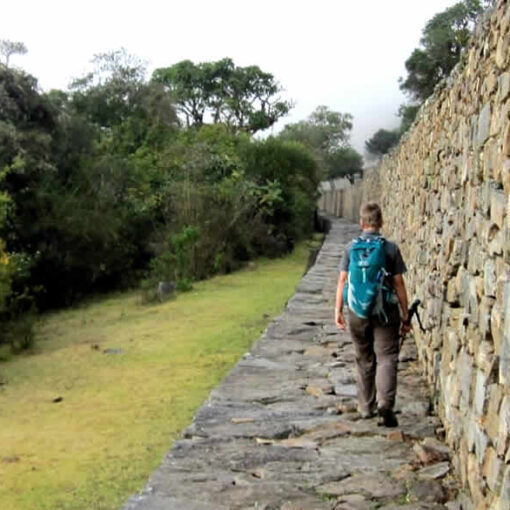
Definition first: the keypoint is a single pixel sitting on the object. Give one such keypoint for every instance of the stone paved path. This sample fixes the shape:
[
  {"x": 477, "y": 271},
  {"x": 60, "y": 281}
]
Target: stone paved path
[{"x": 282, "y": 432}]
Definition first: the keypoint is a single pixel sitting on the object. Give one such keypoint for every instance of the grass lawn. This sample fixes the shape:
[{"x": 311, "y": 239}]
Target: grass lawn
[{"x": 121, "y": 411}]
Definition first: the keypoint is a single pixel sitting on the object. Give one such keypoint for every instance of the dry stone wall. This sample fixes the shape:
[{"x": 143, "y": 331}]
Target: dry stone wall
[
  {"x": 341, "y": 198},
  {"x": 445, "y": 197}
]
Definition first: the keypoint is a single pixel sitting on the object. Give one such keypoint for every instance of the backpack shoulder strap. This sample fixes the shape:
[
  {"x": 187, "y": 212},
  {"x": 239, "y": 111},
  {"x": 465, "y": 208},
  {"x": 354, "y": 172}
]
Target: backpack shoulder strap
[{"x": 363, "y": 241}]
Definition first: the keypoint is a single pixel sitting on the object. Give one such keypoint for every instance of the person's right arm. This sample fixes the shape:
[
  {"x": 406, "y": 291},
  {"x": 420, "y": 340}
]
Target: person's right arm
[
  {"x": 342, "y": 280},
  {"x": 339, "y": 302}
]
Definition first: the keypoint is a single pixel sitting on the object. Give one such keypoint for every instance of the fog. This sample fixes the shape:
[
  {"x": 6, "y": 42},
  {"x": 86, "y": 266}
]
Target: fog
[{"x": 342, "y": 54}]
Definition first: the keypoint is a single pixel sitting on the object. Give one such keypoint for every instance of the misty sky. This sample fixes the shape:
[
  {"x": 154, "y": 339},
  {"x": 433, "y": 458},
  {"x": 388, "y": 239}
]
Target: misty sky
[{"x": 343, "y": 54}]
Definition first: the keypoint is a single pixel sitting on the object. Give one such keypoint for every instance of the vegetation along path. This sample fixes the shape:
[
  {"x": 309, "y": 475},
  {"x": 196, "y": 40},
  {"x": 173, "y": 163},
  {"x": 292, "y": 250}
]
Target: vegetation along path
[{"x": 281, "y": 431}]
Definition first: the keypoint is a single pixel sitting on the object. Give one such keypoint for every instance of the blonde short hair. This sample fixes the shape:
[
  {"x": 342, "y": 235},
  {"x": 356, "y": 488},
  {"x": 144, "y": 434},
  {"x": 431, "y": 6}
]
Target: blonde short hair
[{"x": 371, "y": 215}]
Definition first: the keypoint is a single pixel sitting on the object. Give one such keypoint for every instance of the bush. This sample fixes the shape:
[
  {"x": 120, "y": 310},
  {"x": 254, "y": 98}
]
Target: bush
[
  {"x": 17, "y": 308},
  {"x": 19, "y": 333},
  {"x": 291, "y": 167},
  {"x": 174, "y": 264}
]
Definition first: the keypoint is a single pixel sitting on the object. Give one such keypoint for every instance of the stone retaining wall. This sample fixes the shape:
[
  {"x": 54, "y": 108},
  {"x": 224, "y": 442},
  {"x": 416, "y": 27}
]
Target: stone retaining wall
[{"x": 445, "y": 198}]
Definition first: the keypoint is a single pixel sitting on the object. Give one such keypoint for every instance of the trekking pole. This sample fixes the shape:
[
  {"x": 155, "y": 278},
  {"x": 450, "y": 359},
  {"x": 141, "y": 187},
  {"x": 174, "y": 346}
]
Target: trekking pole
[{"x": 413, "y": 310}]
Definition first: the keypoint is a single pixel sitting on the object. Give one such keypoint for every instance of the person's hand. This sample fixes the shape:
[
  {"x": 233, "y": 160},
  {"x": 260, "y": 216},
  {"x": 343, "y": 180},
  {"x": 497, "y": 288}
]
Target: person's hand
[
  {"x": 339, "y": 319},
  {"x": 405, "y": 327}
]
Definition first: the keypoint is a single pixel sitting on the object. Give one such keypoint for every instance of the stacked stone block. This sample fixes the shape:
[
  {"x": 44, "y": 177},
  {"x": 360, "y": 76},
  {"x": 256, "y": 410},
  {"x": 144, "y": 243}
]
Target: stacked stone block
[
  {"x": 445, "y": 197},
  {"x": 341, "y": 198}
]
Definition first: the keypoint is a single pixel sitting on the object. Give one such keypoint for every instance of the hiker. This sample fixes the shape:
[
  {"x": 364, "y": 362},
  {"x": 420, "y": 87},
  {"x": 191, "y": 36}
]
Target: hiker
[{"x": 372, "y": 285}]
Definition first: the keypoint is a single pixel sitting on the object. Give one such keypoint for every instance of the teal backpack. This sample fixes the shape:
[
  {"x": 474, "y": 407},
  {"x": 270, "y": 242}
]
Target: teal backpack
[{"x": 365, "y": 292}]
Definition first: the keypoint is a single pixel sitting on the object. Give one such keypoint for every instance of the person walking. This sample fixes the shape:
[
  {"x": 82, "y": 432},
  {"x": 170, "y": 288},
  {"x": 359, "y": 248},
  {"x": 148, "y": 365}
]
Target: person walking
[{"x": 371, "y": 283}]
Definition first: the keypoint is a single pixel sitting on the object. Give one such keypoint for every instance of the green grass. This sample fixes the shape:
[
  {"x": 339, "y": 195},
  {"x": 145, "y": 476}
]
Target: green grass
[{"x": 121, "y": 412}]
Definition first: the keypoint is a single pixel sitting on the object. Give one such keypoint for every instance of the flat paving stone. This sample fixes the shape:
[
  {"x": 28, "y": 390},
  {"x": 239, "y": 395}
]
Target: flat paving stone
[
  {"x": 162, "y": 503},
  {"x": 413, "y": 506},
  {"x": 280, "y": 432}
]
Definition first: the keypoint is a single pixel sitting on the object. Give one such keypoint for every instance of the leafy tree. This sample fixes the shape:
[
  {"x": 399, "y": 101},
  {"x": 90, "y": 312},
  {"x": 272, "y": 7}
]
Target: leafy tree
[
  {"x": 324, "y": 130},
  {"x": 26, "y": 125},
  {"x": 382, "y": 141},
  {"x": 326, "y": 133},
  {"x": 252, "y": 101},
  {"x": 245, "y": 98},
  {"x": 81, "y": 198},
  {"x": 344, "y": 162},
  {"x": 407, "y": 114},
  {"x": 443, "y": 38},
  {"x": 203, "y": 155},
  {"x": 116, "y": 98},
  {"x": 293, "y": 168},
  {"x": 185, "y": 81},
  {"x": 9, "y": 48},
  {"x": 245, "y": 197}
]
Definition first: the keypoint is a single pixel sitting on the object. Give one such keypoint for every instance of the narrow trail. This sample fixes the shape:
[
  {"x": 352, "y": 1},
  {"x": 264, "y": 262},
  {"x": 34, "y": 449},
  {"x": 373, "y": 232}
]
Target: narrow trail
[{"x": 281, "y": 431}]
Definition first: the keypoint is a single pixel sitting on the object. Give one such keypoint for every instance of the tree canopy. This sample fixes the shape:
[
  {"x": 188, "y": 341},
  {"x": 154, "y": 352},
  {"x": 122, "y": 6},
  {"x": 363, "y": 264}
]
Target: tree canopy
[
  {"x": 116, "y": 97},
  {"x": 245, "y": 98},
  {"x": 324, "y": 130},
  {"x": 9, "y": 48},
  {"x": 382, "y": 141},
  {"x": 326, "y": 133},
  {"x": 345, "y": 162},
  {"x": 443, "y": 38}
]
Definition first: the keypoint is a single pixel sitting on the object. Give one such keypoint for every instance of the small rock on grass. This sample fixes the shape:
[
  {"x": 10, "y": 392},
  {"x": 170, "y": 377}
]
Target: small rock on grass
[
  {"x": 10, "y": 459},
  {"x": 113, "y": 351}
]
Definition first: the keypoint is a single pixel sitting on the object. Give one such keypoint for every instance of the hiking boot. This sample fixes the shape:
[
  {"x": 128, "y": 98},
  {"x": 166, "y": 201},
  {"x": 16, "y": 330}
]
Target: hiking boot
[{"x": 387, "y": 418}]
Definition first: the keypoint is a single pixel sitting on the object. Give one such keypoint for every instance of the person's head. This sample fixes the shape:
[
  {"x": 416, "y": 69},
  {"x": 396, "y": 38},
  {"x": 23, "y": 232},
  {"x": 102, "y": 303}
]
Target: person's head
[{"x": 370, "y": 216}]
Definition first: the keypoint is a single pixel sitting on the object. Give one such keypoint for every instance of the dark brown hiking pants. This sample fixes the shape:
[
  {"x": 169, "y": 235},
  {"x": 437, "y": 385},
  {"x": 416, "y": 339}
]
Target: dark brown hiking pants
[{"x": 376, "y": 348}]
